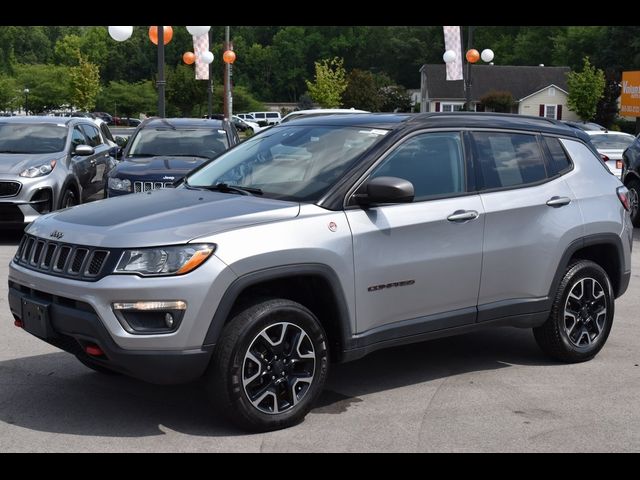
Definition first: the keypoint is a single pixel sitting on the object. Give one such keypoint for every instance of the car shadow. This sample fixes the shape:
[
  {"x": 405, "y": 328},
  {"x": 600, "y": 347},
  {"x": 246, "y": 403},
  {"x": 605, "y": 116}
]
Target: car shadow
[
  {"x": 11, "y": 235},
  {"x": 55, "y": 393}
]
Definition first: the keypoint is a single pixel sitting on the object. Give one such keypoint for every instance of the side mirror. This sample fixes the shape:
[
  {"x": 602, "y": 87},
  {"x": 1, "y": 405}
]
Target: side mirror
[
  {"x": 121, "y": 141},
  {"x": 115, "y": 152},
  {"x": 386, "y": 190},
  {"x": 84, "y": 150}
]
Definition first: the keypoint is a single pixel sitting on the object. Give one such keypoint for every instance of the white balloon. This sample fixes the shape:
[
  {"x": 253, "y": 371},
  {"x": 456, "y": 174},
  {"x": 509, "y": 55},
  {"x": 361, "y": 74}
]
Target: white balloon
[
  {"x": 120, "y": 34},
  {"x": 486, "y": 55},
  {"x": 197, "y": 31},
  {"x": 449, "y": 56},
  {"x": 206, "y": 57}
]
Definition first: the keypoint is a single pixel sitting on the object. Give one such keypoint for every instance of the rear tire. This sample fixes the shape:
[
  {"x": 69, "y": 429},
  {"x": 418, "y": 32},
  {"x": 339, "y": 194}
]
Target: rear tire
[
  {"x": 269, "y": 366},
  {"x": 581, "y": 316},
  {"x": 634, "y": 200}
]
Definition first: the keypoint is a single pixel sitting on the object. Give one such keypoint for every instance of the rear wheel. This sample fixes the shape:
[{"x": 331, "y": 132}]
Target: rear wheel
[
  {"x": 634, "y": 201},
  {"x": 581, "y": 315},
  {"x": 269, "y": 366}
]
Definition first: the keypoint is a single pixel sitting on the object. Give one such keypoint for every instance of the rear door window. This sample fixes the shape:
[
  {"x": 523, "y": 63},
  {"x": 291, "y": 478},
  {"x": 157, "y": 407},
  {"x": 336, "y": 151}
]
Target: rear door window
[{"x": 508, "y": 159}]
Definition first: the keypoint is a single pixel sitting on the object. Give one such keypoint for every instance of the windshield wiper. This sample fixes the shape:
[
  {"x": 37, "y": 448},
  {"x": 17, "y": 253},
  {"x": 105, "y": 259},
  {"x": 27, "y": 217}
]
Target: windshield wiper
[{"x": 223, "y": 187}]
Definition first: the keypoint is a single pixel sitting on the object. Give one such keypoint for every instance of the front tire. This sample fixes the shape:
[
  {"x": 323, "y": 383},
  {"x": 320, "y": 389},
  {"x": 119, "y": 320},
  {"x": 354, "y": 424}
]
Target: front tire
[
  {"x": 581, "y": 316},
  {"x": 269, "y": 366},
  {"x": 68, "y": 199}
]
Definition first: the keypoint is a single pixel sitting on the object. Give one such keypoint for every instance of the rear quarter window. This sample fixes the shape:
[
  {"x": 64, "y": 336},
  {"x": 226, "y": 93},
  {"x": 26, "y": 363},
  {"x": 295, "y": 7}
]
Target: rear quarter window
[{"x": 559, "y": 161}]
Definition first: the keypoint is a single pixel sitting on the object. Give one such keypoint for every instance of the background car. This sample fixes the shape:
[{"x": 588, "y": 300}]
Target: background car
[
  {"x": 265, "y": 119},
  {"x": 610, "y": 146},
  {"x": 318, "y": 111},
  {"x": 246, "y": 116},
  {"x": 163, "y": 150},
  {"x": 48, "y": 163},
  {"x": 244, "y": 125}
]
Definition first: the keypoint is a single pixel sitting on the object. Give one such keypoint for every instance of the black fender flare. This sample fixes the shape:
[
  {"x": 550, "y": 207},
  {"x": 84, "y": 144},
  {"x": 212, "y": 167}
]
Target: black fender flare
[{"x": 286, "y": 271}]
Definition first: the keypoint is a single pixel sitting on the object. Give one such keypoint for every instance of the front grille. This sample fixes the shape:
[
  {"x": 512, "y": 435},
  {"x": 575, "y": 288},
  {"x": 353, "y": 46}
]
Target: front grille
[
  {"x": 9, "y": 189},
  {"x": 64, "y": 260},
  {"x": 148, "y": 186}
]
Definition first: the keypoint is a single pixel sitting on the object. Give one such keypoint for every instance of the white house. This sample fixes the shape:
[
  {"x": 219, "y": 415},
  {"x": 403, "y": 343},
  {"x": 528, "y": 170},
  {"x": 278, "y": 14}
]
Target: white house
[{"x": 538, "y": 91}]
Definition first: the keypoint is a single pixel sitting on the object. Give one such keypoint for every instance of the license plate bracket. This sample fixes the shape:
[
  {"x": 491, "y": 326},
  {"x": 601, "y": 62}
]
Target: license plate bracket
[{"x": 35, "y": 317}]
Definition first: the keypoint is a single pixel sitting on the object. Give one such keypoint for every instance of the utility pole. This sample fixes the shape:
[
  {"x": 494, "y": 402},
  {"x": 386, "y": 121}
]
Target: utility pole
[
  {"x": 160, "y": 82},
  {"x": 467, "y": 77},
  {"x": 210, "y": 86},
  {"x": 228, "y": 106}
]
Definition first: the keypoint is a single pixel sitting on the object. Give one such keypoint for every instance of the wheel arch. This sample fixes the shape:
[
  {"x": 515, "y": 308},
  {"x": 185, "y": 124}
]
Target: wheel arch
[
  {"x": 72, "y": 183},
  {"x": 605, "y": 249},
  {"x": 316, "y": 286}
]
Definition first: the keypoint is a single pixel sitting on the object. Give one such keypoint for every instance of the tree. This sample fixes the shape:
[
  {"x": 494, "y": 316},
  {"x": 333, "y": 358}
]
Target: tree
[
  {"x": 395, "y": 98},
  {"x": 128, "y": 99},
  {"x": 330, "y": 83},
  {"x": 8, "y": 93},
  {"x": 586, "y": 88},
  {"x": 305, "y": 102},
  {"x": 85, "y": 84},
  {"x": 48, "y": 86},
  {"x": 184, "y": 92},
  {"x": 498, "y": 101},
  {"x": 362, "y": 92}
]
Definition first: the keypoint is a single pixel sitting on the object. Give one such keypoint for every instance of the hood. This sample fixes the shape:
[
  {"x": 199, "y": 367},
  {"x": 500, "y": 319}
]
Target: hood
[
  {"x": 16, "y": 163},
  {"x": 160, "y": 217},
  {"x": 154, "y": 166}
]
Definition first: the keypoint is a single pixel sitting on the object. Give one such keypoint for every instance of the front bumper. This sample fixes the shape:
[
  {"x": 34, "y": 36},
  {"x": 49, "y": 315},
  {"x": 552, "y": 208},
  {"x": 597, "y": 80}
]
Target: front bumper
[
  {"x": 73, "y": 325},
  {"x": 36, "y": 197},
  {"x": 80, "y": 309}
]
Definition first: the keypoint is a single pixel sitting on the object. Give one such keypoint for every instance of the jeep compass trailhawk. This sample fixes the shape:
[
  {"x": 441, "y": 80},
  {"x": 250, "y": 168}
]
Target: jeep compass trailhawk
[{"x": 326, "y": 238}]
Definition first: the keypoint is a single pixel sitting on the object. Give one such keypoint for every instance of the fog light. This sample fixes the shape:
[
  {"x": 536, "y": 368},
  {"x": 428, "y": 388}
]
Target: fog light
[{"x": 150, "y": 317}]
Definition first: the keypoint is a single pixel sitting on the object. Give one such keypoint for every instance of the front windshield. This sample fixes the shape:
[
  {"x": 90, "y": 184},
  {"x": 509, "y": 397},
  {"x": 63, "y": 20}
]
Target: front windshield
[
  {"x": 292, "y": 162},
  {"x": 32, "y": 138},
  {"x": 182, "y": 142},
  {"x": 612, "y": 142}
]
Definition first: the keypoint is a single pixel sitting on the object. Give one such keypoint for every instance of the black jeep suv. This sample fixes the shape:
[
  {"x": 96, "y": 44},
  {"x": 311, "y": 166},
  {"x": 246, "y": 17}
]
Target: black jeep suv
[{"x": 631, "y": 178}]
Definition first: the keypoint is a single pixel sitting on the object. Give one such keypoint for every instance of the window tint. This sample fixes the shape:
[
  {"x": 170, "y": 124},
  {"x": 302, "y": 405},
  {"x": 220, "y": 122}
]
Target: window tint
[
  {"x": 559, "y": 160},
  {"x": 272, "y": 115},
  {"x": 77, "y": 138},
  {"x": 93, "y": 135},
  {"x": 509, "y": 159},
  {"x": 432, "y": 162},
  {"x": 106, "y": 133}
]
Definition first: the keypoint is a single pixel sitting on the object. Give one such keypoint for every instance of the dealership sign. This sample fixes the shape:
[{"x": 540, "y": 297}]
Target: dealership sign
[{"x": 630, "y": 97}]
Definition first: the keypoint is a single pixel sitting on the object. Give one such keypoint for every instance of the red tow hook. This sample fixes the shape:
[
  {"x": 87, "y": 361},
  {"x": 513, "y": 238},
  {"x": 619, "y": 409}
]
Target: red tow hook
[
  {"x": 93, "y": 350},
  {"x": 18, "y": 323}
]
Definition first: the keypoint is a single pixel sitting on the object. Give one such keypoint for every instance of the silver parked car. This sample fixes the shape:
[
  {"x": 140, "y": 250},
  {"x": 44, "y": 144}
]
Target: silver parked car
[
  {"x": 47, "y": 163},
  {"x": 328, "y": 238}
]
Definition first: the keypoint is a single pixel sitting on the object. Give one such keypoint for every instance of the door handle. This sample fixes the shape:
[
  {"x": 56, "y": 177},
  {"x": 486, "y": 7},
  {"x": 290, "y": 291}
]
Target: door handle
[
  {"x": 558, "y": 201},
  {"x": 462, "y": 215}
]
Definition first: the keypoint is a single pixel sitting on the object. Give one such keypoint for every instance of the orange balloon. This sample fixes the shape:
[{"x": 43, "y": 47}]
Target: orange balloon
[
  {"x": 229, "y": 56},
  {"x": 473, "y": 56},
  {"x": 153, "y": 34},
  {"x": 189, "y": 58}
]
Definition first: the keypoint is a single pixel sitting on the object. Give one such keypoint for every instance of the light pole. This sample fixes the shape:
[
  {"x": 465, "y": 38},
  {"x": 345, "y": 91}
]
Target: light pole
[
  {"x": 228, "y": 57},
  {"x": 26, "y": 101},
  {"x": 158, "y": 37},
  {"x": 472, "y": 56}
]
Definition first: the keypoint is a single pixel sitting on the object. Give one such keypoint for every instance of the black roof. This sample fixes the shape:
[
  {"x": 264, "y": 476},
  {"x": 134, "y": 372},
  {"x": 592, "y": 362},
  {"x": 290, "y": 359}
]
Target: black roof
[
  {"x": 521, "y": 81},
  {"x": 183, "y": 122},
  {"x": 440, "y": 120}
]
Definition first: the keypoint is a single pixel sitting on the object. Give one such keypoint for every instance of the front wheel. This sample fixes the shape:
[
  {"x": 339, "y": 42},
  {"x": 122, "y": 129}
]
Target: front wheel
[
  {"x": 269, "y": 366},
  {"x": 68, "y": 199},
  {"x": 581, "y": 315}
]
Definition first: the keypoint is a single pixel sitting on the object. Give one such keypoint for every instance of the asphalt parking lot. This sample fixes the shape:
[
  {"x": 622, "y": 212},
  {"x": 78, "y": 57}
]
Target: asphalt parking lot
[{"x": 487, "y": 391}]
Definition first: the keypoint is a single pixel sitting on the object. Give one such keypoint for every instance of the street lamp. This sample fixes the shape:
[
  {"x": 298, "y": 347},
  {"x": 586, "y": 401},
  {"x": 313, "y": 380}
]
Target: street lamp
[
  {"x": 472, "y": 56},
  {"x": 26, "y": 101}
]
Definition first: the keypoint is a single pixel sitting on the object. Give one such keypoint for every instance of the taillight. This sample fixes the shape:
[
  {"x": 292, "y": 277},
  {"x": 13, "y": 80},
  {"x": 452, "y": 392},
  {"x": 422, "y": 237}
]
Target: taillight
[
  {"x": 604, "y": 157},
  {"x": 619, "y": 164},
  {"x": 623, "y": 195}
]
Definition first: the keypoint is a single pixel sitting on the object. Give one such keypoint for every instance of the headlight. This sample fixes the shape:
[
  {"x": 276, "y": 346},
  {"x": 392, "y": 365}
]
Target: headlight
[
  {"x": 164, "y": 260},
  {"x": 40, "y": 170},
  {"x": 119, "y": 184}
]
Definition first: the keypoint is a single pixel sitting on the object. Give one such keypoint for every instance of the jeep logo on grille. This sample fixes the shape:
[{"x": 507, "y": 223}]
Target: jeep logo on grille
[{"x": 56, "y": 234}]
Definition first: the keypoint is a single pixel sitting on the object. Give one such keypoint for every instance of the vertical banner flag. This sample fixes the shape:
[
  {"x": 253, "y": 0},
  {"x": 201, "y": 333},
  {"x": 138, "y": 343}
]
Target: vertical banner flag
[
  {"x": 452, "y": 42},
  {"x": 201, "y": 45}
]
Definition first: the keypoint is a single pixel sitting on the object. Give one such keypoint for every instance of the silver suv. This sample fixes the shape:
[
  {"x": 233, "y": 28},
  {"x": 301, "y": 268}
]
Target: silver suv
[
  {"x": 47, "y": 163},
  {"x": 326, "y": 238}
]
